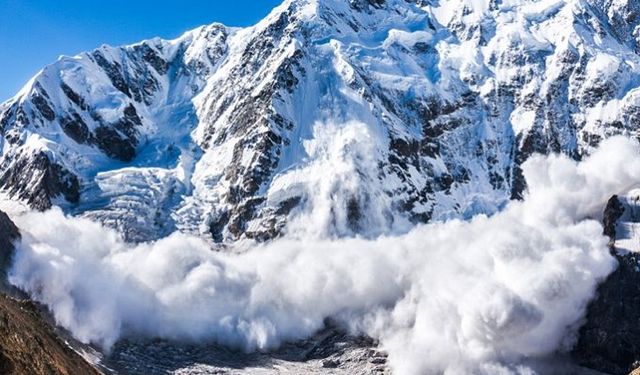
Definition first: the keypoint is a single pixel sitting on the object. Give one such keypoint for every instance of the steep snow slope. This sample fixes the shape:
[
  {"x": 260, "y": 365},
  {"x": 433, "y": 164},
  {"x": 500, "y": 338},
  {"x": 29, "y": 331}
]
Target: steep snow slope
[
  {"x": 109, "y": 131},
  {"x": 377, "y": 114}
]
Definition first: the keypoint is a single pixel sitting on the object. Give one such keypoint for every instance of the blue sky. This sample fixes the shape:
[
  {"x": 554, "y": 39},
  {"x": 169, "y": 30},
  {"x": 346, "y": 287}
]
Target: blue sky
[{"x": 33, "y": 33}]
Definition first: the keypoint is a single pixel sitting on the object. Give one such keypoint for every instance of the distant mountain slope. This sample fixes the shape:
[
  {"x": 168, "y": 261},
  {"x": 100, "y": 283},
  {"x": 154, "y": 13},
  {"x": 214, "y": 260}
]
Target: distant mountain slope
[{"x": 378, "y": 114}]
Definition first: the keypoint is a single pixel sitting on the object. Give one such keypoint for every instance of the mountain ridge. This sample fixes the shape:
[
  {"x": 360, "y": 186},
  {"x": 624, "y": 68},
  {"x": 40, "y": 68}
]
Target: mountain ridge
[{"x": 217, "y": 132}]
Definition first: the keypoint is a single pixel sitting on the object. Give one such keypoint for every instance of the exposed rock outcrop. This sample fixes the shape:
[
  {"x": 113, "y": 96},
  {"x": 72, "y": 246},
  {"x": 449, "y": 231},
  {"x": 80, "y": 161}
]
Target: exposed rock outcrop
[
  {"x": 9, "y": 233},
  {"x": 609, "y": 341},
  {"x": 37, "y": 180}
]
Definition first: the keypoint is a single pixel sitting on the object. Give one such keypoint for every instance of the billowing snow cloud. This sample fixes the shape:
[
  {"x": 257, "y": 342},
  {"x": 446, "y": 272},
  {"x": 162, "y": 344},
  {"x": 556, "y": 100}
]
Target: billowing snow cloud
[{"x": 454, "y": 297}]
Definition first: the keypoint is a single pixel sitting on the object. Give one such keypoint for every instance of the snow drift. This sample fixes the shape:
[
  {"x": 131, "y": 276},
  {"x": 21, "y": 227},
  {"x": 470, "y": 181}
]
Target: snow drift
[{"x": 453, "y": 297}]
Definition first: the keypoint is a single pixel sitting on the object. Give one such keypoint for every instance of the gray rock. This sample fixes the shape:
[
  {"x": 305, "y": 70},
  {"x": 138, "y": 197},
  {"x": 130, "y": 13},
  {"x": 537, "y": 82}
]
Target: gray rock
[
  {"x": 9, "y": 233},
  {"x": 609, "y": 341},
  {"x": 330, "y": 351}
]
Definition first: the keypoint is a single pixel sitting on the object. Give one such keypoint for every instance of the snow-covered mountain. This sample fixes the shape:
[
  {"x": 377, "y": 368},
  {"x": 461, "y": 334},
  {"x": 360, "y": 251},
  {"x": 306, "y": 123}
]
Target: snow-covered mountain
[{"x": 376, "y": 113}]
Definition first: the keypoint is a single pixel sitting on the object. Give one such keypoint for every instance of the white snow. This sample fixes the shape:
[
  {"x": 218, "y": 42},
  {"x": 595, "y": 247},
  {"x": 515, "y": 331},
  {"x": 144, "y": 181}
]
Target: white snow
[
  {"x": 478, "y": 296},
  {"x": 482, "y": 75}
]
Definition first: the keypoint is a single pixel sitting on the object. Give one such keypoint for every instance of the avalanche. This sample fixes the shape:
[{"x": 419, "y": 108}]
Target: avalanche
[
  {"x": 457, "y": 297},
  {"x": 360, "y": 158}
]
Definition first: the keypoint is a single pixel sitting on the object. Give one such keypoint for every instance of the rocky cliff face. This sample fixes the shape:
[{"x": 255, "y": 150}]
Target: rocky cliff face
[
  {"x": 429, "y": 107},
  {"x": 9, "y": 233},
  {"x": 609, "y": 339}
]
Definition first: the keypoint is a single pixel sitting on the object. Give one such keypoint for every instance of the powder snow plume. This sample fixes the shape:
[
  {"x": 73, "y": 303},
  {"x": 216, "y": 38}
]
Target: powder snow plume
[{"x": 475, "y": 296}]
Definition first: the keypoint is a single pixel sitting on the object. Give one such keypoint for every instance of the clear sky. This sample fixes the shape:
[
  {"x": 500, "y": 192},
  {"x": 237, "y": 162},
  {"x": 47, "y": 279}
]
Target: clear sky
[{"x": 33, "y": 33}]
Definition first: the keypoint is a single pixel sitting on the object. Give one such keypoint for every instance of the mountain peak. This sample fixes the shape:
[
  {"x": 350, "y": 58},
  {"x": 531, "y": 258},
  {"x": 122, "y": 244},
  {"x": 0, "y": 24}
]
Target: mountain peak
[{"x": 217, "y": 132}]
